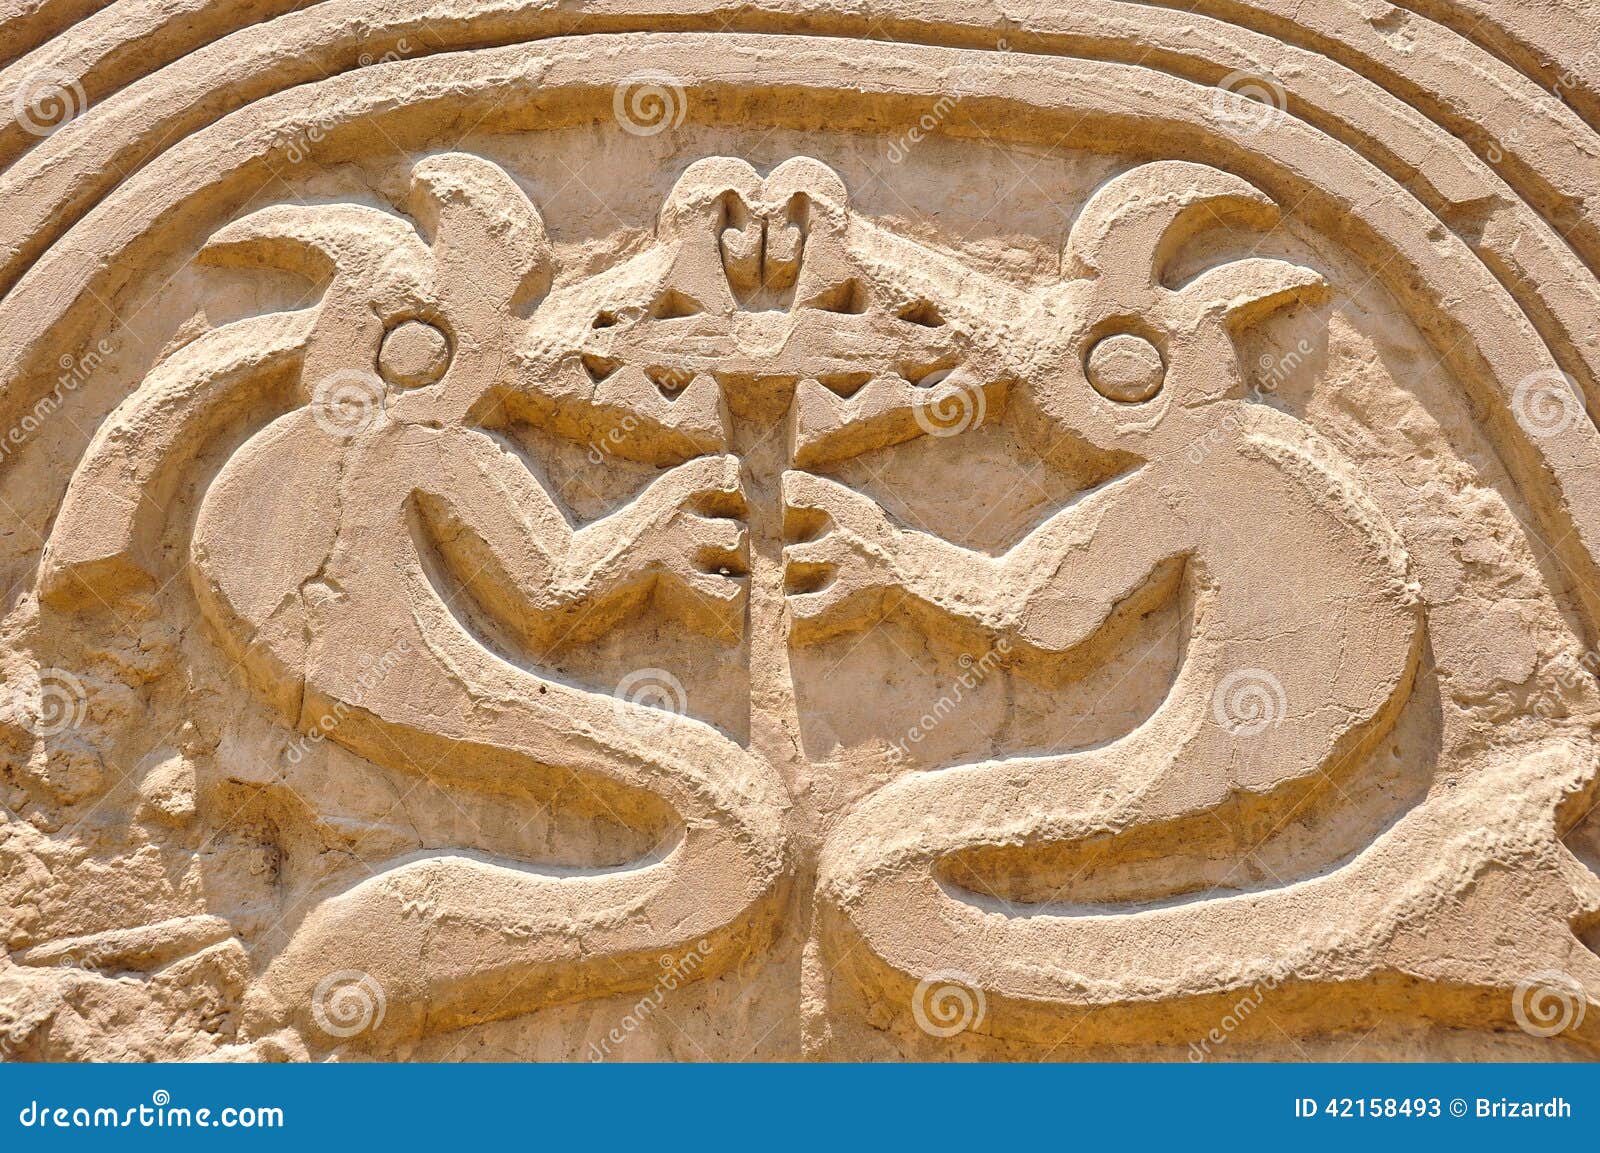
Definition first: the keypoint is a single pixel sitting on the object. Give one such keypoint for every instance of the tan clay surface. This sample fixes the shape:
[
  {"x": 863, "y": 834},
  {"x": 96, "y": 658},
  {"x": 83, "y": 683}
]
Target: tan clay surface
[{"x": 686, "y": 530}]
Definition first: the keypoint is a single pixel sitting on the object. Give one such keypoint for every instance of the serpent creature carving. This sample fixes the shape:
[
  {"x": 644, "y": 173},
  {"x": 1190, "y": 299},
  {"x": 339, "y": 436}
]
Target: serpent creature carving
[
  {"x": 313, "y": 547},
  {"x": 1293, "y": 664}
]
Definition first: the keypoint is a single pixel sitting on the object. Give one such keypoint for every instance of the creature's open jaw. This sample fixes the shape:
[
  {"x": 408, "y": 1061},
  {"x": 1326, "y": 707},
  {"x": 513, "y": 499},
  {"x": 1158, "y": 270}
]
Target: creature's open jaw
[{"x": 768, "y": 293}]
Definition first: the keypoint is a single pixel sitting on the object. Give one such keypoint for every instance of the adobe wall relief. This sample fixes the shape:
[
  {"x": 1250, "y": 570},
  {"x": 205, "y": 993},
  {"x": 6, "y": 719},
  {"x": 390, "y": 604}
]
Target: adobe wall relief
[{"x": 640, "y": 540}]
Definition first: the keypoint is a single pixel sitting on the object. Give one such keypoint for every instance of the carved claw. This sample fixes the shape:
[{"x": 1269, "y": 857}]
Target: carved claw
[
  {"x": 1247, "y": 290},
  {"x": 690, "y": 536},
  {"x": 1134, "y": 223},
  {"x": 104, "y": 541},
  {"x": 487, "y": 252},
  {"x": 836, "y": 579}
]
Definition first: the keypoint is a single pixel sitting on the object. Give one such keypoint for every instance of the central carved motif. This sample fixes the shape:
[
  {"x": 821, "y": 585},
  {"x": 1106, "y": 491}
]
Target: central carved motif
[{"x": 362, "y": 518}]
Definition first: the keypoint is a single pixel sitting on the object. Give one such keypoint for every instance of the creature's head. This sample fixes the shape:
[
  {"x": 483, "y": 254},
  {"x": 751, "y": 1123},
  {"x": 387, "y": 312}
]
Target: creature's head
[
  {"x": 1144, "y": 366},
  {"x": 414, "y": 316}
]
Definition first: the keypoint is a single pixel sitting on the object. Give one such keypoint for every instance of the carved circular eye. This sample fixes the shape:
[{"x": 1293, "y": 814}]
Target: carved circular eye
[
  {"x": 1125, "y": 368},
  {"x": 414, "y": 354}
]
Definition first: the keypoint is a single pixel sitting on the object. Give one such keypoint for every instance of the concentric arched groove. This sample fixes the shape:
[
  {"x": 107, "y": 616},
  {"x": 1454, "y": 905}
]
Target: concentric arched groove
[
  {"x": 72, "y": 169},
  {"x": 26, "y": 24},
  {"x": 333, "y": 36},
  {"x": 1544, "y": 43},
  {"x": 116, "y": 45},
  {"x": 1463, "y": 309},
  {"x": 1470, "y": 93}
]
